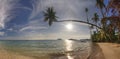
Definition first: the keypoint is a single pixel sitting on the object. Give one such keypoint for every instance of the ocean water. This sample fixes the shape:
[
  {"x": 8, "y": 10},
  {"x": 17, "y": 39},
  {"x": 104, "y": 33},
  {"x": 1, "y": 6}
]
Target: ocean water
[{"x": 45, "y": 48}]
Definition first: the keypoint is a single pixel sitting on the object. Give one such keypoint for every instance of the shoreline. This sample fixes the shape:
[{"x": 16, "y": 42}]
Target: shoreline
[
  {"x": 105, "y": 51},
  {"x": 4, "y": 54},
  {"x": 99, "y": 51},
  {"x": 110, "y": 50},
  {"x": 96, "y": 52}
]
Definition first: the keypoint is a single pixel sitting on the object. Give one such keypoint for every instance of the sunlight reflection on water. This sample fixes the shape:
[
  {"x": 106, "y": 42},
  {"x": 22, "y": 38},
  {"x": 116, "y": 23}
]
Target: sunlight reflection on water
[
  {"x": 69, "y": 44},
  {"x": 69, "y": 57}
]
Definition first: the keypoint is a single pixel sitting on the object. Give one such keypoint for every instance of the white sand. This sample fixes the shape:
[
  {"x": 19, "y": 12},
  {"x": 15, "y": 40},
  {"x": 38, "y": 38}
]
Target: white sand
[
  {"x": 110, "y": 50},
  {"x": 4, "y": 54}
]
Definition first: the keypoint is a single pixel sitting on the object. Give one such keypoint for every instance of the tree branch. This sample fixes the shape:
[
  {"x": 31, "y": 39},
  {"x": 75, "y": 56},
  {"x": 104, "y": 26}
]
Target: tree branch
[{"x": 80, "y": 22}]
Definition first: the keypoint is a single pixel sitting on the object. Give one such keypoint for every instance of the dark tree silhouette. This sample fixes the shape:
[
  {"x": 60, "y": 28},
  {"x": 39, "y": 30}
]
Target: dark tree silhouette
[{"x": 50, "y": 17}]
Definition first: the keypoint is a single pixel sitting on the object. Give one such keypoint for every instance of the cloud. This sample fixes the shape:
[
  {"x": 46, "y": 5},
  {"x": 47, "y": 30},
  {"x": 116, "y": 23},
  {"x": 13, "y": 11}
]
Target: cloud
[
  {"x": 10, "y": 29},
  {"x": 2, "y": 33},
  {"x": 6, "y": 9},
  {"x": 32, "y": 28},
  {"x": 66, "y": 9},
  {"x": 33, "y": 25}
]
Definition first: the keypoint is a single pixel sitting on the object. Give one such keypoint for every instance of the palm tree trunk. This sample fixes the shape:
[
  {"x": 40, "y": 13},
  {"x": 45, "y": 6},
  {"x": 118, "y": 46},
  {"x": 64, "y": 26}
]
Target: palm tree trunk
[
  {"x": 96, "y": 27},
  {"x": 79, "y": 22},
  {"x": 89, "y": 26}
]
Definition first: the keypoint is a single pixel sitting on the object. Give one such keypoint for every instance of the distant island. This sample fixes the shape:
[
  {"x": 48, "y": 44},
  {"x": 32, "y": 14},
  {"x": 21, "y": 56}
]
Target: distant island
[
  {"x": 59, "y": 39},
  {"x": 71, "y": 39},
  {"x": 84, "y": 40}
]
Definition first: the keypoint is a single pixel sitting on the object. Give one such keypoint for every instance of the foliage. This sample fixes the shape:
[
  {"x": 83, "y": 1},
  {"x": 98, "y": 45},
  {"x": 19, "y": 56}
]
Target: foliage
[
  {"x": 110, "y": 22},
  {"x": 50, "y": 15},
  {"x": 106, "y": 23}
]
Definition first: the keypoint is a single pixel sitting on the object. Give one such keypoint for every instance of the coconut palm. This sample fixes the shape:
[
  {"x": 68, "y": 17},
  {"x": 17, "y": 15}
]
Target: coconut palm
[
  {"x": 90, "y": 27},
  {"x": 86, "y": 10},
  {"x": 114, "y": 5},
  {"x": 50, "y": 16},
  {"x": 95, "y": 19},
  {"x": 100, "y": 4}
]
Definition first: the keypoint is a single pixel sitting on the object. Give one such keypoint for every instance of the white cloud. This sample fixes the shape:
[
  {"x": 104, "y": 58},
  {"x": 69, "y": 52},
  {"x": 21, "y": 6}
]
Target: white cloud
[
  {"x": 33, "y": 25},
  {"x": 32, "y": 28},
  {"x": 10, "y": 29},
  {"x": 66, "y": 9},
  {"x": 6, "y": 7},
  {"x": 2, "y": 33}
]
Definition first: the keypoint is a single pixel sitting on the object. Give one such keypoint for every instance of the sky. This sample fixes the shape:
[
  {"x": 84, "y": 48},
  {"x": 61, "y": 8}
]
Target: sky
[{"x": 23, "y": 19}]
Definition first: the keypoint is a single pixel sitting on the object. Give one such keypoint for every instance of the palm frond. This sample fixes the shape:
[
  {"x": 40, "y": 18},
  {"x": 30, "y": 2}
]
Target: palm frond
[{"x": 50, "y": 15}]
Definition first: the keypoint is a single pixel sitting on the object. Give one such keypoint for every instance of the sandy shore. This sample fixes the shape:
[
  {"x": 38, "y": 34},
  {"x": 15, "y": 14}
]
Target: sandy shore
[
  {"x": 105, "y": 51},
  {"x": 110, "y": 50},
  {"x": 99, "y": 51},
  {"x": 4, "y": 54},
  {"x": 96, "y": 52}
]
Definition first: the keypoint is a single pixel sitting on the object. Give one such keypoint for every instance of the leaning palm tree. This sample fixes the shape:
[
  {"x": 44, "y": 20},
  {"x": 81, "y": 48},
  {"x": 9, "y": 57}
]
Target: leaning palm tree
[{"x": 50, "y": 16}]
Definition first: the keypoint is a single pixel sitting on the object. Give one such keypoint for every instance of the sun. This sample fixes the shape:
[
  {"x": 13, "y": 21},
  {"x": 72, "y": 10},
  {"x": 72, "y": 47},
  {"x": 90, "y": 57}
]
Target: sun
[{"x": 69, "y": 26}]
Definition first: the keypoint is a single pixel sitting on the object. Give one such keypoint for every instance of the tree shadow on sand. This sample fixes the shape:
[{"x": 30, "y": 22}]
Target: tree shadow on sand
[{"x": 96, "y": 52}]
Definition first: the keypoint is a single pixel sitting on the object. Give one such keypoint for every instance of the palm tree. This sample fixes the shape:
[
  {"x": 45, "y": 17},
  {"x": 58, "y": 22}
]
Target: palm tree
[
  {"x": 114, "y": 5},
  {"x": 50, "y": 15},
  {"x": 90, "y": 27},
  {"x": 100, "y": 4},
  {"x": 95, "y": 19},
  {"x": 86, "y": 10}
]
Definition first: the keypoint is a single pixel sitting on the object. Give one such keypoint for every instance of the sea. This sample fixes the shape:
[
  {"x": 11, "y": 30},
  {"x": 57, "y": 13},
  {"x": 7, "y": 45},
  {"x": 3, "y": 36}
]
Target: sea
[{"x": 49, "y": 49}]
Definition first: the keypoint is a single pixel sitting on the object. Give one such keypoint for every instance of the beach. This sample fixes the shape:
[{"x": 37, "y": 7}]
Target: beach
[
  {"x": 105, "y": 51},
  {"x": 4, "y": 54},
  {"x": 99, "y": 51},
  {"x": 110, "y": 50},
  {"x": 44, "y": 49}
]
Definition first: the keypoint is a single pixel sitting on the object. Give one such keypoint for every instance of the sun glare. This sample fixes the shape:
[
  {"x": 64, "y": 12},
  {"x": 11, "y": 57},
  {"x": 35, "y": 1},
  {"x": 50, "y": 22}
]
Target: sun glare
[
  {"x": 69, "y": 48},
  {"x": 69, "y": 26}
]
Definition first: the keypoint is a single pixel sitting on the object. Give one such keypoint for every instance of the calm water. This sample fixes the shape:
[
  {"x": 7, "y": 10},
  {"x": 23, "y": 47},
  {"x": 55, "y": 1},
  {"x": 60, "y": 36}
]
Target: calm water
[{"x": 44, "y": 47}]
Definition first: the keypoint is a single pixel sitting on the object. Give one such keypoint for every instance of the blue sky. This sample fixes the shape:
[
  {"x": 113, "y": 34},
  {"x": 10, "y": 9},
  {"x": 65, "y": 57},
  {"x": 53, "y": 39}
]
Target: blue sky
[{"x": 23, "y": 19}]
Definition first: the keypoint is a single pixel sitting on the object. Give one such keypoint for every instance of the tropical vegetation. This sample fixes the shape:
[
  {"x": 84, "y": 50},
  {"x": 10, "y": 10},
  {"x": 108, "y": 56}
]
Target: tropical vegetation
[
  {"x": 104, "y": 25},
  {"x": 109, "y": 21}
]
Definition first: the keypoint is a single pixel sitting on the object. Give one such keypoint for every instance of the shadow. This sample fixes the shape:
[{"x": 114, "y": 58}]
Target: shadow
[{"x": 96, "y": 52}]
